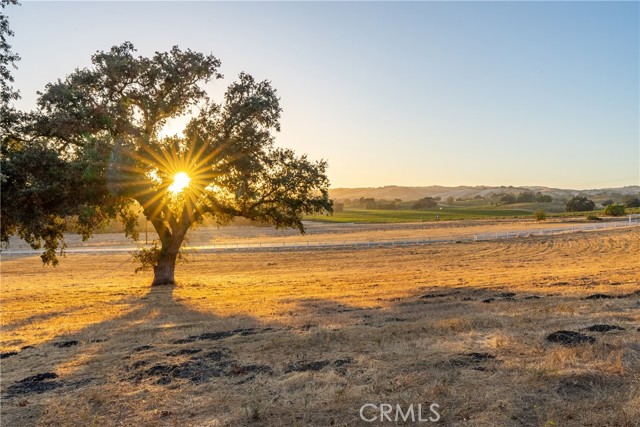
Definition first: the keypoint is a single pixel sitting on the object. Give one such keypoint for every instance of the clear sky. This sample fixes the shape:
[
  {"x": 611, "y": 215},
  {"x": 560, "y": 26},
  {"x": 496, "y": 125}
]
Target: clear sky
[{"x": 390, "y": 93}]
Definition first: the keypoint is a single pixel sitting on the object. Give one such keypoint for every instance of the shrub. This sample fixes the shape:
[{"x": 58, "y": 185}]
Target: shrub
[
  {"x": 614, "y": 210},
  {"x": 540, "y": 215},
  {"x": 607, "y": 202},
  {"x": 592, "y": 217}
]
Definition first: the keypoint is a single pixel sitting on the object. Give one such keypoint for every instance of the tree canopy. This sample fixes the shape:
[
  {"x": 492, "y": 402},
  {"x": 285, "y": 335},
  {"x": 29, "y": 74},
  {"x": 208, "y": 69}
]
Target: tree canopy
[
  {"x": 98, "y": 145},
  {"x": 8, "y": 58},
  {"x": 631, "y": 201},
  {"x": 425, "y": 203},
  {"x": 580, "y": 204}
]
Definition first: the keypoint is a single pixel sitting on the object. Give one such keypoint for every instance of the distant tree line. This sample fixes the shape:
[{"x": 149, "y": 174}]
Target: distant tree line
[
  {"x": 525, "y": 197},
  {"x": 583, "y": 204},
  {"x": 628, "y": 201},
  {"x": 425, "y": 203},
  {"x": 577, "y": 203},
  {"x": 631, "y": 201},
  {"x": 371, "y": 203}
]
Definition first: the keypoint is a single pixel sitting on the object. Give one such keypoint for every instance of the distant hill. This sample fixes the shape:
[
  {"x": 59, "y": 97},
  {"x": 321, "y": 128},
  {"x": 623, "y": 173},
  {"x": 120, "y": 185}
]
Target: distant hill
[{"x": 391, "y": 192}]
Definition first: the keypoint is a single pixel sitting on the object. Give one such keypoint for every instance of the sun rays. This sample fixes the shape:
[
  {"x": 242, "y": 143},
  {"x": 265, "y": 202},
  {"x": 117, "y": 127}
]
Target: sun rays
[{"x": 173, "y": 176}]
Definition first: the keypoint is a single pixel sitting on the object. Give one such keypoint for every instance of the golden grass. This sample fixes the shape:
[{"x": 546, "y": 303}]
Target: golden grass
[{"x": 362, "y": 306}]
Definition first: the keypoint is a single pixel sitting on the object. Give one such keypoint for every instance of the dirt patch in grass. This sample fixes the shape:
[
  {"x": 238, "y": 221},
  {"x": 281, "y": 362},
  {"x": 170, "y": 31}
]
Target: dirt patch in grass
[
  {"x": 215, "y": 336},
  {"x": 65, "y": 344},
  {"x": 570, "y": 338},
  {"x": 599, "y": 296},
  {"x": 604, "y": 328}
]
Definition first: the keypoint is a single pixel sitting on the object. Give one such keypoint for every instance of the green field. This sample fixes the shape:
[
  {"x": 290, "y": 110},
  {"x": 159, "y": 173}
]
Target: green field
[{"x": 443, "y": 213}]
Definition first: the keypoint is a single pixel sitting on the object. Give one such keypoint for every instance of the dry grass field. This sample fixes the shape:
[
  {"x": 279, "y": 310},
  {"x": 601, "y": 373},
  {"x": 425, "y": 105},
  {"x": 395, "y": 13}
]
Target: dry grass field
[{"x": 306, "y": 338}]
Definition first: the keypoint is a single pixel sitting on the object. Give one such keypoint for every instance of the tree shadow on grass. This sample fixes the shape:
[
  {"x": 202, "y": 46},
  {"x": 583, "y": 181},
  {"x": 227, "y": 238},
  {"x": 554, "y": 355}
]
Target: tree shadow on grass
[
  {"x": 40, "y": 317},
  {"x": 163, "y": 345},
  {"x": 158, "y": 340}
]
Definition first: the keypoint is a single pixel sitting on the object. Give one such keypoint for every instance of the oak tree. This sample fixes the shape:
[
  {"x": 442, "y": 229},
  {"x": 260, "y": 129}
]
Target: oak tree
[
  {"x": 579, "y": 204},
  {"x": 98, "y": 146}
]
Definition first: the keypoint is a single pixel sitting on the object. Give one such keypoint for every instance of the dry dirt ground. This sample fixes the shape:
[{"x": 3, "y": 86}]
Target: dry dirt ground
[{"x": 306, "y": 338}]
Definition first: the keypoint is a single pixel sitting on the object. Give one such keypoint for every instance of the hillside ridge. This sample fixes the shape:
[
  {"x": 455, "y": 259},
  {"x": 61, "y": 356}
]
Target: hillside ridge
[{"x": 406, "y": 193}]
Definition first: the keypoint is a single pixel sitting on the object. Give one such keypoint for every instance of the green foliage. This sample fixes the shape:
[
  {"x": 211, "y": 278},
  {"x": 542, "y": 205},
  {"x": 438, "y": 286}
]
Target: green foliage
[
  {"x": 95, "y": 149},
  {"x": 8, "y": 59},
  {"x": 592, "y": 217},
  {"x": 36, "y": 176},
  {"x": 607, "y": 202},
  {"x": 371, "y": 203},
  {"x": 580, "y": 204},
  {"x": 508, "y": 198},
  {"x": 425, "y": 203},
  {"x": 543, "y": 198},
  {"x": 631, "y": 201},
  {"x": 540, "y": 215},
  {"x": 148, "y": 258},
  {"x": 614, "y": 210},
  {"x": 526, "y": 197}
]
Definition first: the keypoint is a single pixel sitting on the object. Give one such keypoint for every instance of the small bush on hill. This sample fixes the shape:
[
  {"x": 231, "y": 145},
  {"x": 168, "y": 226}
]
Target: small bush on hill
[
  {"x": 614, "y": 210},
  {"x": 540, "y": 215}
]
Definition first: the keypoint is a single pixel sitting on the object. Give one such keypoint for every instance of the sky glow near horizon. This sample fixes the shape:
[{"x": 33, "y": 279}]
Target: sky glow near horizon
[{"x": 417, "y": 93}]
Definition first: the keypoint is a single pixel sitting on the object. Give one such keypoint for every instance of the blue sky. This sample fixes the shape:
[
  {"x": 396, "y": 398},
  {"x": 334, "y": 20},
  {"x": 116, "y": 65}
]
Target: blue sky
[{"x": 415, "y": 93}]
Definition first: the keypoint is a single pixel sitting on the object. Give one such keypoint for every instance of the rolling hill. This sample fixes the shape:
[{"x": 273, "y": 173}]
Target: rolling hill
[{"x": 391, "y": 192}]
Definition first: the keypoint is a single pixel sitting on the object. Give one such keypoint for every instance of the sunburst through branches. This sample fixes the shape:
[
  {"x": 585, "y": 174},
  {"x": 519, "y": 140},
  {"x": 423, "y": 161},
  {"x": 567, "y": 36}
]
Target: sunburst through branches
[{"x": 172, "y": 178}]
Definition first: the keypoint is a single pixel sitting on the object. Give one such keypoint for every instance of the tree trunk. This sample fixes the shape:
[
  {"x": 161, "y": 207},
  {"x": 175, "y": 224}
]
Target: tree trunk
[
  {"x": 171, "y": 240},
  {"x": 164, "y": 271}
]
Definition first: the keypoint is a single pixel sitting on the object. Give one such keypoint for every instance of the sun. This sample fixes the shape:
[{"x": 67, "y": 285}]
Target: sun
[{"x": 180, "y": 181}]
